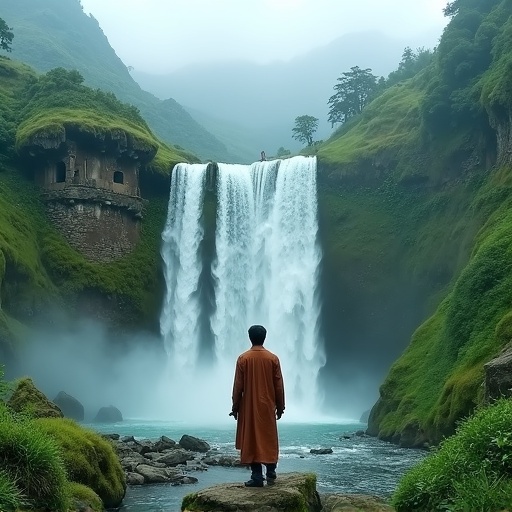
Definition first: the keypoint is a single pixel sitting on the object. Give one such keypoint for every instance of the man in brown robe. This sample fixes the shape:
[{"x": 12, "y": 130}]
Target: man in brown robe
[{"x": 258, "y": 401}]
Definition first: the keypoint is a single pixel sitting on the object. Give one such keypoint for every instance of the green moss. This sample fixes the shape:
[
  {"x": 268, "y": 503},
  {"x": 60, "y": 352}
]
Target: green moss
[
  {"x": 134, "y": 280},
  {"x": 437, "y": 380},
  {"x": 32, "y": 461},
  {"x": 389, "y": 124},
  {"x": 472, "y": 467},
  {"x": 89, "y": 459},
  {"x": 28, "y": 400},
  {"x": 85, "y": 496}
]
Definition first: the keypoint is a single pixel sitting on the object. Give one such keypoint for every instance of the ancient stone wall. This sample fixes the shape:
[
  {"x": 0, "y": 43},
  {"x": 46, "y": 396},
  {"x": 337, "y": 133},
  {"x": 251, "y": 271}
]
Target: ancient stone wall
[
  {"x": 99, "y": 231},
  {"x": 89, "y": 167}
]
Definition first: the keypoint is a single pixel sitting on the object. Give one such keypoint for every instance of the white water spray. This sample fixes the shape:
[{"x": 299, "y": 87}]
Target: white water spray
[
  {"x": 182, "y": 236},
  {"x": 265, "y": 272}
]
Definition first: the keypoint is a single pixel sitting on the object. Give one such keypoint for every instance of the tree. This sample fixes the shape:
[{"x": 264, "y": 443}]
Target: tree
[
  {"x": 305, "y": 127},
  {"x": 6, "y": 36},
  {"x": 283, "y": 152},
  {"x": 411, "y": 64},
  {"x": 354, "y": 90}
]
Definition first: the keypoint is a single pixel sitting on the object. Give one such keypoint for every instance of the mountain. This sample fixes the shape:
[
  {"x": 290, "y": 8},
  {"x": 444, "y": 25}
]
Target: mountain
[
  {"x": 57, "y": 33},
  {"x": 267, "y": 98}
]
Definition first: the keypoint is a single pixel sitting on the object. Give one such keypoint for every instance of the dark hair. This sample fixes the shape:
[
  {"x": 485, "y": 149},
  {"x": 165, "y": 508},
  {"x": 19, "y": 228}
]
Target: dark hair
[{"x": 257, "y": 334}]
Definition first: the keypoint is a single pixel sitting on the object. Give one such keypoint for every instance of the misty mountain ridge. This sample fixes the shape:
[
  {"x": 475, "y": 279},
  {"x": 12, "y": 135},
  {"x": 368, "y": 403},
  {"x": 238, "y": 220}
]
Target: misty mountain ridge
[
  {"x": 55, "y": 33},
  {"x": 266, "y": 98}
]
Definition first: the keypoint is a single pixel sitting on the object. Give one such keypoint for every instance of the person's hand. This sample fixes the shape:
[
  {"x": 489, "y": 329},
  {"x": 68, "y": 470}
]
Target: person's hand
[
  {"x": 279, "y": 414},
  {"x": 234, "y": 414}
]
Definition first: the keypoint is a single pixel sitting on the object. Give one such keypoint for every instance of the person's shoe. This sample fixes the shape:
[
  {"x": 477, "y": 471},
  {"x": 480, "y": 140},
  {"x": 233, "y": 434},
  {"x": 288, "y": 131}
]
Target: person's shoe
[
  {"x": 271, "y": 477},
  {"x": 254, "y": 483}
]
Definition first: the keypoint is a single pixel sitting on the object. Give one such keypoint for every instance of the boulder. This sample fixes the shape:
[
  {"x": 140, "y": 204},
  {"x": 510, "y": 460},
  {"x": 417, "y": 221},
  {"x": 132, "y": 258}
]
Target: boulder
[
  {"x": 321, "y": 451},
  {"x": 154, "y": 475},
  {"x": 292, "y": 491},
  {"x": 27, "y": 399},
  {"x": 194, "y": 444},
  {"x": 70, "y": 406},
  {"x": 175, "y": 457},
  {"x": 498, "y": 376},
  {"x": 134, "y": 479},
  {"x": 164, "y": 443},
  {"x": 108, "y": 414},
  {"x": 222, "y": 460},
  {"x": 354, "y": 503}
]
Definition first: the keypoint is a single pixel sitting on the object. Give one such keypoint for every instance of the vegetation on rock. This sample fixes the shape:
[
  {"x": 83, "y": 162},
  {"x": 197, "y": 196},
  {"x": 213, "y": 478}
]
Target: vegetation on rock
[
  {"x": 37, "y": 265},
  {"x": 28, "y": 400},
  {"x": 469, "y": 471},
  {"x": 54, "y": 464},
  {"x": 420, "y": 183},
  {"x": 89, "y": 459},
  {"x": 35, "y": 472}
]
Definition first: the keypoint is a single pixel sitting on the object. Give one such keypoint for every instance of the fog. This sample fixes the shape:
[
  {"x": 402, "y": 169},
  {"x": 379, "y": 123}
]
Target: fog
[
  {"x": 135, "y": 375},
  {"x": 246, "y": 70},
  {"x": 251, "y": 107},
  {"x": 158, "y": 36}
]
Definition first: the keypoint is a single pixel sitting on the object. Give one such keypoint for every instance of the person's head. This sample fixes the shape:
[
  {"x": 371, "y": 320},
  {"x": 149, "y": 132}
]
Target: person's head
[{"x": 257, "y": 334}]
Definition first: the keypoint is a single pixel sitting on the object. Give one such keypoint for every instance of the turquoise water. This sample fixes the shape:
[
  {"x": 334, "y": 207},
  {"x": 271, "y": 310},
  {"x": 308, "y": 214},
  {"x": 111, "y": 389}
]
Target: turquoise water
[{"x": 358, "y": 465}]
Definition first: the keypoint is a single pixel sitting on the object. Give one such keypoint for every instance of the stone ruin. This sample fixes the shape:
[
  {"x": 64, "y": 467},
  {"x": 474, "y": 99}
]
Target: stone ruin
[{"x": 91, "y": 189}]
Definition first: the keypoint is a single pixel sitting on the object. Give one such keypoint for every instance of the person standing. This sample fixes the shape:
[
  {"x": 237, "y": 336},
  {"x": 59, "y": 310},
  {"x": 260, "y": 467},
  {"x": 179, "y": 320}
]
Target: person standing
[{"x": 258, "y": 401}]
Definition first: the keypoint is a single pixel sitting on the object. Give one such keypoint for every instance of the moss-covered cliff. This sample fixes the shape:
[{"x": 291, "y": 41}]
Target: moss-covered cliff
[
  {"x": 423, "y": 203},
  {"x": 38, "y": 269}
]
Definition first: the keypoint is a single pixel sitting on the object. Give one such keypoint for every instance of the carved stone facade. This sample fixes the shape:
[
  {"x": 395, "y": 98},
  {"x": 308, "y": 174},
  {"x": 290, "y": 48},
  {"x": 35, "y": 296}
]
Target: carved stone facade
[{"x": 92, "y": 196}]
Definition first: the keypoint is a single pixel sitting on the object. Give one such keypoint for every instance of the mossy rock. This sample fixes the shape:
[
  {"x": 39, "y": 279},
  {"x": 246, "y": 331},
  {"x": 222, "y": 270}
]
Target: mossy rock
[
  {"x": 27, "y": 399},
  {"x": 292, "y": 492},
  {"x": 32, "y": 462},
  {"x": 82, "y": 497},
  {"x": 354, "y": 503},
  {"x": 90, "y": 459}
]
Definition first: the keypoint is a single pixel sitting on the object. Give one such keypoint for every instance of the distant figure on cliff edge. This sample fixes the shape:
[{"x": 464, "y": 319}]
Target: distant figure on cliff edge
[
  {"x": 258, "y": 401},
  {"x": 263, "y": 157}
]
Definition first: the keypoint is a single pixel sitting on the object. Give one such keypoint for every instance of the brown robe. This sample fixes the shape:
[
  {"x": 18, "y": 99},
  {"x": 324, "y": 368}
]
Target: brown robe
[{"x": 258, "y": 392}]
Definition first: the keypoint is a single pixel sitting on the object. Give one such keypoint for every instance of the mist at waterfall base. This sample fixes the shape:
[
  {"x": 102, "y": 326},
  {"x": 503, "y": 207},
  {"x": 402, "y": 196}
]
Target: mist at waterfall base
[{"x": 261, "y": 221}]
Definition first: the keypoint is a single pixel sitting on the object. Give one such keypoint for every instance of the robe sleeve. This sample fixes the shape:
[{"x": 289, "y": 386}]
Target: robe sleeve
[
  {"x": 238, "y": 386},
  {"x": 278, "y": 386}
]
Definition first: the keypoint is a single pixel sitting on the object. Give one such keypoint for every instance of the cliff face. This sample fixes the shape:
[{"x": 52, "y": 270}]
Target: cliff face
[
  {"x": 40, "y": 272},
  {"x": 428, "y": 166}
]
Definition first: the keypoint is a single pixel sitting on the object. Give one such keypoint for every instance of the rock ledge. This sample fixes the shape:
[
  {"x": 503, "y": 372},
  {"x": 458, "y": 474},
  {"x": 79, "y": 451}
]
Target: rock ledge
[{"x": 292, "y": 492}]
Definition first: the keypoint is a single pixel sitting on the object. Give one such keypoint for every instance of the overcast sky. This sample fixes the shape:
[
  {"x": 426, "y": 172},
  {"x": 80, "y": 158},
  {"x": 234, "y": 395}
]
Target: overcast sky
[{"x": 162, "y": 35}]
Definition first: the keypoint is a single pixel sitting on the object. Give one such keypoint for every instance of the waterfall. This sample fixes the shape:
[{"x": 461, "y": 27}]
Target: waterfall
[
  {"x": 264, "y": 272},
  {"x": 181, "y": 237}
]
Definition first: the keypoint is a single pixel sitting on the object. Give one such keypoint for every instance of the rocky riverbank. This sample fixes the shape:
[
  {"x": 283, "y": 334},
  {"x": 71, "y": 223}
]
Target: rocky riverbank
[{"x": 165, "y": 460}]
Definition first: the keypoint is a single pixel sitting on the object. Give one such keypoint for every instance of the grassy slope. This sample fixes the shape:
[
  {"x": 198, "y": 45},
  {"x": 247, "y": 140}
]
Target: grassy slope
[
  {"x": 52, "y": 33},
  {"x": 457, "y": 223}
]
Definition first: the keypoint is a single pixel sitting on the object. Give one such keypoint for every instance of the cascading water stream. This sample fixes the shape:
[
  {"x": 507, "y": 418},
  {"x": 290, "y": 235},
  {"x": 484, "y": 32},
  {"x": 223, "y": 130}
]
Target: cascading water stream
[
  {"x": 182, "y": 236},
  {"x": 265, "y": 271}
]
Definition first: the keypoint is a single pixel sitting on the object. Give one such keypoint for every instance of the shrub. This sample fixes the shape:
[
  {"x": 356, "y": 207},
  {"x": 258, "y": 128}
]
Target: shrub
[
  {"x": 81, "y": 496},
  {"x": 472, "y": 467},
  {"x": 89, "y": 459},
  {"x": 31, "y": 460}
]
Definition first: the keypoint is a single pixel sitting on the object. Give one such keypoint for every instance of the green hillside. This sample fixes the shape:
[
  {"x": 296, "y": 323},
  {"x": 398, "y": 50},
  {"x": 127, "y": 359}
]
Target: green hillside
[
  {"x": 37, "y": 266},
  {"x": 56, "y": 33},
  {"x": 423, "y": 196}
]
